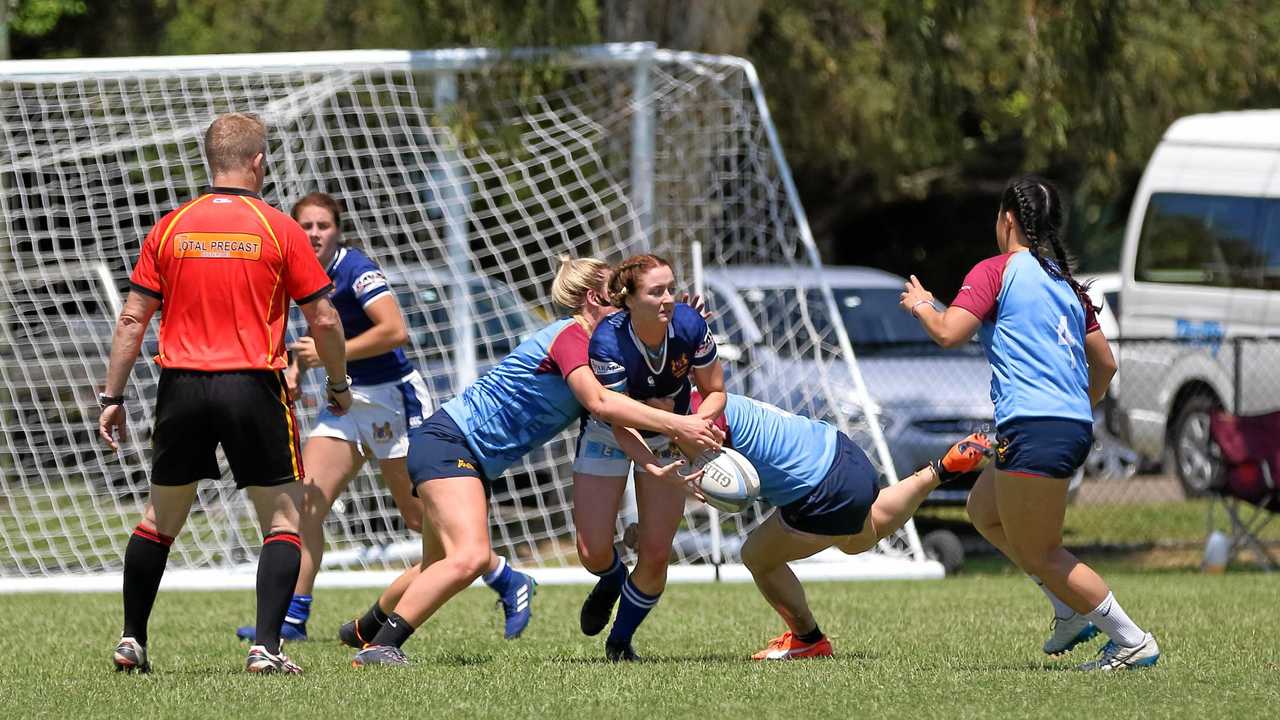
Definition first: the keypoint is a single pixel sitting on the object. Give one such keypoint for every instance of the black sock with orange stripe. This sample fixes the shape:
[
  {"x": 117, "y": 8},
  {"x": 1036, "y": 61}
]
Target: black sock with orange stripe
[
  {"x": 144, "y": 560},
  {"x": 277, "y": 574}
]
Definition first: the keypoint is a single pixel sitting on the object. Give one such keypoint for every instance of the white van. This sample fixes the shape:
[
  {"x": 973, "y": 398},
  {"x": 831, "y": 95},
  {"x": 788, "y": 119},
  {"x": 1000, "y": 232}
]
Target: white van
[{"x": 1200, "y": 279}]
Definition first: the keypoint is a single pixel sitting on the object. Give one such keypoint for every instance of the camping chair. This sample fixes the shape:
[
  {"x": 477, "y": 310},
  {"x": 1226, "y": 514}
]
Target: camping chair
[{"x": 1246, "y": 487}]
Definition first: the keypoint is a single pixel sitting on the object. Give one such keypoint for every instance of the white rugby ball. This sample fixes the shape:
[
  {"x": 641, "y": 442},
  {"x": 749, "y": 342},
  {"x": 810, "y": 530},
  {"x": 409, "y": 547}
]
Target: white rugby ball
[{"x": 729, "y": 481}]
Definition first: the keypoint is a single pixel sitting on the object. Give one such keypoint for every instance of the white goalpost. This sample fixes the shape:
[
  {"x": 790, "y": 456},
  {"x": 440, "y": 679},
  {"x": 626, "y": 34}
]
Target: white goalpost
[{"x": 465, "y": 174}]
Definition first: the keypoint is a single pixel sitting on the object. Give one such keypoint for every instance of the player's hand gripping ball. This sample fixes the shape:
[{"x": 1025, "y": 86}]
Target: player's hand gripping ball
[{"x": 729, "y": 481}]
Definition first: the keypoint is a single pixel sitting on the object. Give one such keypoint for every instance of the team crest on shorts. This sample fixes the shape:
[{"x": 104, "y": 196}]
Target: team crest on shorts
[
  {"x": 382, "y": 433},
  {"x": 1002, "y": 449}
]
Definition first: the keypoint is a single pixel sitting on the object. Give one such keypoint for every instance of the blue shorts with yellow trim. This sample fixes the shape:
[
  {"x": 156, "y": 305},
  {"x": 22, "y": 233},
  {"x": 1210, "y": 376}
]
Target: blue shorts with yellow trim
[
  {"x": 437, "y": 449},
  {"x": 1043, "y": 447}
]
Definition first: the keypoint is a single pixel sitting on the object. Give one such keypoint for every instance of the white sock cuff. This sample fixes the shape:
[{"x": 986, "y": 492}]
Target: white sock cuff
[{"x": 497, "y": 572}]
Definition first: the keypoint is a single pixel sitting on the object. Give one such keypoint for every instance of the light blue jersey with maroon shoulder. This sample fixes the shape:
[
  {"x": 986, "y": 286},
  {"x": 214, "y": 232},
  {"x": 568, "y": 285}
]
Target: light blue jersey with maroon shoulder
[
  {"x": 1033, "y": 328},
  {"x": 525, "y": 400},
  {"x": 357, "y": 282},
  {"x": 791, "y": 453},
  {"x": 623, "y": 364}
]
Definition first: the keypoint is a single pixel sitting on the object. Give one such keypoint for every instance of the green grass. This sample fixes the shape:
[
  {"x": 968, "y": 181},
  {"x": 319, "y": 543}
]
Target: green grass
[
  {"x": 1128, "y": 524},
  {"x": 966, "y": 647}
]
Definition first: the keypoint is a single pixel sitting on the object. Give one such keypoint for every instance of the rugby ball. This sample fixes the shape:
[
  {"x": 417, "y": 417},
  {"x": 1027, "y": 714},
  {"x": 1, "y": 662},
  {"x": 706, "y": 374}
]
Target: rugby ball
[{"x": 729, "y": 481}]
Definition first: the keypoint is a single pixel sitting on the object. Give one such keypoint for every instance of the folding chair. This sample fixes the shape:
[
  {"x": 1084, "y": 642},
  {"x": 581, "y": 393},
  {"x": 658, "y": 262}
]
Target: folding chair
[{"x": 1246, "y": 487}]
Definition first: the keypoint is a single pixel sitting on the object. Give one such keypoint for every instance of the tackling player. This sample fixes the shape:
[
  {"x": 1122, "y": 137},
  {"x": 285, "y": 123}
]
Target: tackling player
[{"x": 535, "y": 393}]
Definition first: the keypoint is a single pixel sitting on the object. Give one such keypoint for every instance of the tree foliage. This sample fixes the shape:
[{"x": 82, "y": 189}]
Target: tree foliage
[{"x": 878, "y": 102}]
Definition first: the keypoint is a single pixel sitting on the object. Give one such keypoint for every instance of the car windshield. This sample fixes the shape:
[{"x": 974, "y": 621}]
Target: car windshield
[{"x": 872, "y": 318}]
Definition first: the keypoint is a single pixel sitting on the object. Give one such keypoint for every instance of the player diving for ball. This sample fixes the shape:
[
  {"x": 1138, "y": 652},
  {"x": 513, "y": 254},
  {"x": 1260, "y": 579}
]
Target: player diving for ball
[
  {"x": 542, "y": 388},
  {"x": 826, "y": 494}
]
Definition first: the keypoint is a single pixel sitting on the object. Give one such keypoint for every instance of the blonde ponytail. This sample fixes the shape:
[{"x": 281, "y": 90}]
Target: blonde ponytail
[{"x": 574, "y": 279}]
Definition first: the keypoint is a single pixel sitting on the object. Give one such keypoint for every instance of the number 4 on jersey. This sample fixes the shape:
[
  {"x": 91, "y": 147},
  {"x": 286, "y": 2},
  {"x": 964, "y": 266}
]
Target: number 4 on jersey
[{"x": 1065, "y": 339}]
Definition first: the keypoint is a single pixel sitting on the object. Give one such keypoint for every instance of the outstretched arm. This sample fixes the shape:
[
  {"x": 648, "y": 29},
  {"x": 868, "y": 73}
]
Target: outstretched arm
[
  {"x": 949, "y": 329},
  {"x": 618, "y": 409}
]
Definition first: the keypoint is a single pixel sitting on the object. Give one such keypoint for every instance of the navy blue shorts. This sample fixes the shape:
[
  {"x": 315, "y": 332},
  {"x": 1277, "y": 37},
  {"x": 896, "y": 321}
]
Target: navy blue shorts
[
  {"x": 1044, "y": 447},
  {"x": 437, "y": 450},
  {"x": 840, "y": 503}
]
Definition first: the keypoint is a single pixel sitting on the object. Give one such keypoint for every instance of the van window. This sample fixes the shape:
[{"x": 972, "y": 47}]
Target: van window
[
  {"x": 1270, "y": 270},
  {"x": 1210, "y": 240}
]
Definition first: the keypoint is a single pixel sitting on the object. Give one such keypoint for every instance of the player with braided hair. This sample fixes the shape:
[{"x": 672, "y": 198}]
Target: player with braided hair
[{"x": 1050, "y": 364}]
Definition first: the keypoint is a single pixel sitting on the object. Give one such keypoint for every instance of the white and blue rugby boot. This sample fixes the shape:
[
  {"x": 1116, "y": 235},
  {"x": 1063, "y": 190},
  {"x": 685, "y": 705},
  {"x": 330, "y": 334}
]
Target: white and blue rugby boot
[
  {"x": 1068, "y": 633},
  {"x": 1114, "y": 657}
]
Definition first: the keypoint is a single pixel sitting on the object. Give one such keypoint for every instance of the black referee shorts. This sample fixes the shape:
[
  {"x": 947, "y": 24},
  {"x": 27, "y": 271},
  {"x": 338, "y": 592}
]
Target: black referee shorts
[{"x": 248, "y": 412}]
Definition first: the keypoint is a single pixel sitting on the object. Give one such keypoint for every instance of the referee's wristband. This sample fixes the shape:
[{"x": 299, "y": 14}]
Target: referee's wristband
[
  {"x": 105, "y": 401},
  {"x": 917, "y": 304},
  {"x": 345, "y": 386}
]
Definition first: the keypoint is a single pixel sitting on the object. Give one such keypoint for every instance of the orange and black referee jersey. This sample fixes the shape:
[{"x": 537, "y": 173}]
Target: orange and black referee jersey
[{"x": 225, "y": 266}]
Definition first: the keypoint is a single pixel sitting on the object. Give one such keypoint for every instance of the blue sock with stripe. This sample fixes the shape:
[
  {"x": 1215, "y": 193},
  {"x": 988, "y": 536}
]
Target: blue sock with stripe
[
  {"x": 500, "y": 579},
  {"x": 633, "y": 608},
  {"x": 299, "y": 610},
  {"x": 615, "y": 576}
]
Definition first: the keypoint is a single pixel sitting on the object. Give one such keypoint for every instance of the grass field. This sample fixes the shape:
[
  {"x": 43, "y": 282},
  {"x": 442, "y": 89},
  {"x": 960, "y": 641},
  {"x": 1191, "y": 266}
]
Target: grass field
[{"x": 966, "y": 647}]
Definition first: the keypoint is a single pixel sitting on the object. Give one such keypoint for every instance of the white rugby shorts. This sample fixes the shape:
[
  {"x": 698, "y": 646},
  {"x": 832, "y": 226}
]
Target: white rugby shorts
[
  {"x": 600, "y": 454},
  {"x": 380, "y": 417}
]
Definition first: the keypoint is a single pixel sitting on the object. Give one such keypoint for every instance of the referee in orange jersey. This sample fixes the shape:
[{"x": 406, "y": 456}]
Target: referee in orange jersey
[{"x": 225, "y": 266}]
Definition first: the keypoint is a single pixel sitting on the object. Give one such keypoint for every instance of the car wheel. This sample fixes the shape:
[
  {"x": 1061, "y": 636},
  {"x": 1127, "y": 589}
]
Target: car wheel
[
  {"x": 1194, "y": 455},
  {"x": 945, "y": 547}
]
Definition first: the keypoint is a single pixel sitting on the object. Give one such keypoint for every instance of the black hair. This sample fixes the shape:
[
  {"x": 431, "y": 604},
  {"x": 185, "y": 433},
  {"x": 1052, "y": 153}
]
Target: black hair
[{"x": 1035, "y": 205}]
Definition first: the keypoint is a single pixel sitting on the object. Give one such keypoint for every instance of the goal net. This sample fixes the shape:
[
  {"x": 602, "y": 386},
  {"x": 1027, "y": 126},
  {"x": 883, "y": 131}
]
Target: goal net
[{"x": 464, "y": 174}]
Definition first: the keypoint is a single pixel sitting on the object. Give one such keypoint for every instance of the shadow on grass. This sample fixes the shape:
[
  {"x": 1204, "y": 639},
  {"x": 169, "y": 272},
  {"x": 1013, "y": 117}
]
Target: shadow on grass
[
  {"x": 842, "y": 658},
  {"x": 461, "y": 660}
]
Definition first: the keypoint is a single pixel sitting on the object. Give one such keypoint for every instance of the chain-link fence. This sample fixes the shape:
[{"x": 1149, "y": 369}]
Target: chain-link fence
[{"x": 1156, "y": 483}]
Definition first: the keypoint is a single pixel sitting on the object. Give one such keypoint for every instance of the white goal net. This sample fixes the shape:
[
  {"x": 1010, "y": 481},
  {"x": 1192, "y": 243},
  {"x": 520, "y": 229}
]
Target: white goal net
[{"x": 464, "y": 174}]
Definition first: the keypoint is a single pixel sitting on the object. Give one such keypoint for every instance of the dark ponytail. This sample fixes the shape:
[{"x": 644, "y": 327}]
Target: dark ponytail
[{"x": 1034, "y": 202}]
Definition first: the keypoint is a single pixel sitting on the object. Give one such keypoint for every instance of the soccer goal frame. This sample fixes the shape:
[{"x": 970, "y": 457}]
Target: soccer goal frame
[{"x": 465, "y": 184}]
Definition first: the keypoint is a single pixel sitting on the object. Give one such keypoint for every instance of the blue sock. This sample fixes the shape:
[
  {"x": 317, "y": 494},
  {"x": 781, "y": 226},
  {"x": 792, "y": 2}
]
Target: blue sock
[
  {"x": 632, "y": 610},
  {"x": 616, "y": 575},
  {"x": 500, "y": 579},
  {"x": 299, "y": 610}
]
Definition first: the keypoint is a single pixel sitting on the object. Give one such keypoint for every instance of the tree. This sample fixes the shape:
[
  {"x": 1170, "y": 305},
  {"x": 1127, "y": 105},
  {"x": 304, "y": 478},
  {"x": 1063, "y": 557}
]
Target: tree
[{"x": 33, "y": 18}]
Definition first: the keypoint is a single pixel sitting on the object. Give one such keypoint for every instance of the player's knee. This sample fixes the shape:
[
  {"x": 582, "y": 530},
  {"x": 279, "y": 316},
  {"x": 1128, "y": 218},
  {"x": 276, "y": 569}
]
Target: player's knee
[
  {"x": 597, "y": 556},
  {"x": 652, "y": 558},
  {"x": 468, "y": 564}
]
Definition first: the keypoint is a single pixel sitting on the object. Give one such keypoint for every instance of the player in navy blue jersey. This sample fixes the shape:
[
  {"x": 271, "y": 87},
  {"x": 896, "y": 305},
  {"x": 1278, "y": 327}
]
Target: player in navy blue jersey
[
  {"x": 542, "y": 388},
  {"x": 389, "y": 398},
  {"x": 649, "y": 350},
  {"x": 827, "y": 495}
]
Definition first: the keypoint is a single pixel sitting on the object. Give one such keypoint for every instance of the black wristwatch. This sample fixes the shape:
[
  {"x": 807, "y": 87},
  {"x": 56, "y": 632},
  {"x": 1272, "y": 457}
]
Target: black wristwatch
[{"x": 105, "y": 401}]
